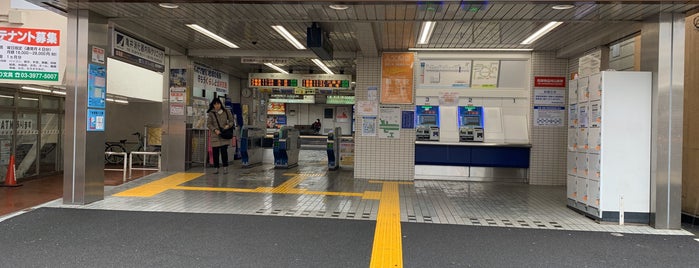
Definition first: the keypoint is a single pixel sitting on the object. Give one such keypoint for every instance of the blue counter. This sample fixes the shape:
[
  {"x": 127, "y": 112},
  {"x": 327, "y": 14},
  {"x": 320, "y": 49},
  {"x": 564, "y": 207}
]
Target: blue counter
[{"x": 474, "y": 154}]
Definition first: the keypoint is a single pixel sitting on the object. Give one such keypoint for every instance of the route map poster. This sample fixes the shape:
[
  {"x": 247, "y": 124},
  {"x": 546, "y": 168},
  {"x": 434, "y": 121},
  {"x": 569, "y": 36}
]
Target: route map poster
[
  {"x": 485, "y": 74},
  {"x": 445, "y": 73}
]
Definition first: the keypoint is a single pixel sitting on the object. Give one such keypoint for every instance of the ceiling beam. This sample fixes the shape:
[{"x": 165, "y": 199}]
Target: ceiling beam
[
  {"x": 225, "y": 53},
  {"x": 606, "y": 36},
  {"x": 366, "y": 39}
]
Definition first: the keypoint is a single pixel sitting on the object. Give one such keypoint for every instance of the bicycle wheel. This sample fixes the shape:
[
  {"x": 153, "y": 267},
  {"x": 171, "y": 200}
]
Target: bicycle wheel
[{"x": 114, "y": 159}]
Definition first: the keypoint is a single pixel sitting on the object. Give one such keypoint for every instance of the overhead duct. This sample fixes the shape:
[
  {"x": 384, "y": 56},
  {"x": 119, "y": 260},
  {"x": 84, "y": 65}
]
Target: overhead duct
[{"x": 317, "y": 41}]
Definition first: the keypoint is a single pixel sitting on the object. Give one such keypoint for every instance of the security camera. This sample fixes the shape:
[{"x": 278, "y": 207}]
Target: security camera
[{"x": 254, "y": 42}]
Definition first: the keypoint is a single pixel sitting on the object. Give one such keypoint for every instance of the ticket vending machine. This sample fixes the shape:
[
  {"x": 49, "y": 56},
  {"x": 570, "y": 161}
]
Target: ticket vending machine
[
  {"x": 333, "y": 148},
  {"x": 286, "y": 147},
  {"x": 427, "y": 122},
  {"x": 471, "y": 123},
  {"x": 251, "y": 149}
]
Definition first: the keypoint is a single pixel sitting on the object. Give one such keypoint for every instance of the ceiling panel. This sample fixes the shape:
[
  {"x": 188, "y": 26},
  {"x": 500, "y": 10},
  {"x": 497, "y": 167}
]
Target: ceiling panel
[{"x": 394, "y": 26}]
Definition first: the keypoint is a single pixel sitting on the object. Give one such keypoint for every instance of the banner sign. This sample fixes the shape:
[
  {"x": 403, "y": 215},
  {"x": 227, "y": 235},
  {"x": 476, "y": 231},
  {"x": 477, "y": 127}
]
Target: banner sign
[
  {"x": 210, "y": 80},
  {"x": 29, "y": 54},
  {"x": 549, "y": 81},
  {"x": 137, "y": 52}
]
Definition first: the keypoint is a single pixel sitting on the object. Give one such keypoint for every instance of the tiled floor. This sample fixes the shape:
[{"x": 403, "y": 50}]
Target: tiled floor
[{"x": 310, "y": 190}]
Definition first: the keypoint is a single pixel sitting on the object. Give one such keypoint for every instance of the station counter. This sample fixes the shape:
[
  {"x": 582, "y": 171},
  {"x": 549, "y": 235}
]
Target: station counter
[{"x": 475, "y": 154}]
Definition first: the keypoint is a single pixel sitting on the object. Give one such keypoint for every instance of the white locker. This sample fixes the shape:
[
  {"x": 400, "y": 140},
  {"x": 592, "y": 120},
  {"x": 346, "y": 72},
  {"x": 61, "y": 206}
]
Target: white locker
[
  {"x": 583, "y": 94},
  {"x": 595, "y": 87},
  {"x": 612, "y": 155},
  {"x": 572, "y": 91},
  {"x": 593, "y": 167},
  {"x": 572, "y": 139},
  {"x": 594, "y": 144},
  {"x": 571, "y": 187},
  {"x": 581, "y": 164},
  {"x": 582, "y": 140},
  {"x": 572, "y": 164}
]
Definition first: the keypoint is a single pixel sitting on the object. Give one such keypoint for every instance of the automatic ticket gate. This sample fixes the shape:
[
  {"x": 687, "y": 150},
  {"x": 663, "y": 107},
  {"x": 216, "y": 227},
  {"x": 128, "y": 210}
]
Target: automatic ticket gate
[
  {"x": 333, "y": 148},
  {"x": 286, "y": 147},
  {"x": 251, "y": 149}
]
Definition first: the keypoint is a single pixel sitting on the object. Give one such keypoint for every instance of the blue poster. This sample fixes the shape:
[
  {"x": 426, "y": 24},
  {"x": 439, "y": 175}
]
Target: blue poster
[
  {"x": 95, "y": 120},
  {"x": 96, "y": 86},
  {"x": 408, "y": 119}
]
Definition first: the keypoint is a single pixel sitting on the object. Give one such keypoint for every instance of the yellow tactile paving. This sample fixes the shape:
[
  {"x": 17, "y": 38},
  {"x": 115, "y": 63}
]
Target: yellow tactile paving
[
  {"x": 388, "y": 246},
  {"x": 159, "y": 186}
]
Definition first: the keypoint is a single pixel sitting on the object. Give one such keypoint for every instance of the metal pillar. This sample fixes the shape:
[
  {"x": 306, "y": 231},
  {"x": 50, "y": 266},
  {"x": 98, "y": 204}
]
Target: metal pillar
[
  {"x": 83, "y": 175},
  {"x": 662, "y": 52}
]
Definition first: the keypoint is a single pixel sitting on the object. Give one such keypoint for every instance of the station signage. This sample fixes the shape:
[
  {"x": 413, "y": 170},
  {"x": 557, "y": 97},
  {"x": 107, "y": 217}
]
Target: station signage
[
  {"x": 306, "y": 81},
  {"x": 549, "y": 81},
  {"x": 340, "y": 100},
  {"x": 137, "y": 52}
]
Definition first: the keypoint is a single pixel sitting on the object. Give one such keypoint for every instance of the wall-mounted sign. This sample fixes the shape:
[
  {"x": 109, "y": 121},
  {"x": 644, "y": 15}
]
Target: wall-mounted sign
[
  {"x": 95, "y": 120},
  {"x": 397, "y": 78},
  {"x": 96, "y": 86},
  {"x": 210, "y": 80},
  {"x": 334, "y": 81},
  {"x": 485, "y": 74},
  {"x": 549, "y": 81},
  {"x": 445, "y": 73},
  {"x": 295, "y": 99},
  {"x": 549, "y": 96},
  {"x": 137, "y": 52},
  {"x": 97, "y": 55},
  {"x": 339, "y": 100},
  {"x": 29, "y": 54}
]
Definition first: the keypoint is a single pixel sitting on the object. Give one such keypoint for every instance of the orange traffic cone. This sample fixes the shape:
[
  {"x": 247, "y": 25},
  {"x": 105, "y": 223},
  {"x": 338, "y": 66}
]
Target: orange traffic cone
[{"x": 10, "y": 180}]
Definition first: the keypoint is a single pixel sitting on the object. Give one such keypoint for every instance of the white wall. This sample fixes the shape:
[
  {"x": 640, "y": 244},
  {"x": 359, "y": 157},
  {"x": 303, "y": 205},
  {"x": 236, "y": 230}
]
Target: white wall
[{"x": 131, "y": 81}]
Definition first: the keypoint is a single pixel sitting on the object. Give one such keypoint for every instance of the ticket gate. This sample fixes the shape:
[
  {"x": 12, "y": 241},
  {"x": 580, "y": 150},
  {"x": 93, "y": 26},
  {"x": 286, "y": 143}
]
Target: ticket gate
[
  {"x": 333, "y": 148},
  {"x": 286, "y": 147},
  {"x": 251, "y": 149}
]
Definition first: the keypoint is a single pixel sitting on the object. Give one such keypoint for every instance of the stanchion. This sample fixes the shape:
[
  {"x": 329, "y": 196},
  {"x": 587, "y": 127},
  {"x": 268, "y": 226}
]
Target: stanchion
[{"x": 10, "y": 180}]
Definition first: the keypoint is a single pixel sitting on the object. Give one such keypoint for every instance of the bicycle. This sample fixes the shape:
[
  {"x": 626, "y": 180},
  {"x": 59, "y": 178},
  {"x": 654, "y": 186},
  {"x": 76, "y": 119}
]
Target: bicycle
[{"x": 121, "y": 147}]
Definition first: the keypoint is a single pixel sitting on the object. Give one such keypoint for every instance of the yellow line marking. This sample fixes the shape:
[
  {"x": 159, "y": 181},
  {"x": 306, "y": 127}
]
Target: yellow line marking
[
  {"x": 388, "y": 246},
  {"x": 153, "y": 188}
]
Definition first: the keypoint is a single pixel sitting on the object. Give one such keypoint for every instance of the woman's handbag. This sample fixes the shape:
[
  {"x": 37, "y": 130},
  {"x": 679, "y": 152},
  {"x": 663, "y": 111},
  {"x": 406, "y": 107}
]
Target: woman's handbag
[{"x": 227, "y": 133}]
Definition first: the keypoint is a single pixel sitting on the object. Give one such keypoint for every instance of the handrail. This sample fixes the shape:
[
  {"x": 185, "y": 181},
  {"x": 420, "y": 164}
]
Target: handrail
[
  {"x": 131, "y": 168},
  {"x": 123, "y": 170}
]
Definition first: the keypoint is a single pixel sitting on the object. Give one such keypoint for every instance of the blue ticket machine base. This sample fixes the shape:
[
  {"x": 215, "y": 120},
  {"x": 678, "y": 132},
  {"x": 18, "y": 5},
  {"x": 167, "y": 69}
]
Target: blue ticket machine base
[
  {"x": 286, "y": 147},
  {"x": 471, "y": 124},
  {"x": 427, "y": 122},
  {"x": 333, "y": 148},
  {"x": 251, "y": 149}
]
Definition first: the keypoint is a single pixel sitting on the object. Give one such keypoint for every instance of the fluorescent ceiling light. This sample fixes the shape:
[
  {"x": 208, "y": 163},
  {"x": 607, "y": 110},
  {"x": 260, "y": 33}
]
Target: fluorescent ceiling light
[
  {"x": 426, "y": 32},
  {"x": 37, "y": 89},
  {"x": 322, "y": 66},
  {"x": 122, "y": 101},
  {"x": 276, "y": 68},
  {"x": 110, "y": 100},
  {"x": 58, "y": 92},
  {"x": 468, "y": 49},
  {"x": 7, "y": 97},
  {"x": 339, "y": 7},
  {"x": 29, "y": 99},
  {"x": 562, "y": 7},
  {"x": 541, "y": 32},
  {"x": 212, "y": 35},
  {"x": 283, "y": 32},
  {"x": 168, "y": 5}
]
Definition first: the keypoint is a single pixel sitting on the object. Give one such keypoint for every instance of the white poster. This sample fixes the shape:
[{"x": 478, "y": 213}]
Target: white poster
[
  {"x": 372, "y": 93},
  {"x": 342, "y": 114},
  {"x": 29, "y": 54},
  {"x": 485, "y": 74},
  {"x": 549, "y": 97},
  {"x": 445, "y": 73},
  {"x": 210, "y": 80},
  {"x": 389, "y": 122},
  {"x": 448, "y": 98},
  {"x": 549, "y": 116},
  {"x": 367, "y": 108},
  {"x": 368, "y": 125}
]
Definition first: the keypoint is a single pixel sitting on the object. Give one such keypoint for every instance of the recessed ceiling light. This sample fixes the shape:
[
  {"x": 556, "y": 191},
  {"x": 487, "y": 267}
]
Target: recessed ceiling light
[
  {"x": 562, "y": 7},
  {"x": 339, "y": 7},
  {"x": 168, "y": 5}
]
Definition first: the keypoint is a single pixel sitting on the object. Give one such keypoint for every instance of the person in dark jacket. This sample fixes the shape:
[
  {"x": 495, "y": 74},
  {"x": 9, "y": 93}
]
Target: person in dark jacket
[{"x": 219, "y": 115}]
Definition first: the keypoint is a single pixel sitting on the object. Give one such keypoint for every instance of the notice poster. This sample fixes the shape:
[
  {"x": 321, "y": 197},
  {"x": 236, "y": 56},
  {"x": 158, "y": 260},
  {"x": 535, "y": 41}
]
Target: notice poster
[
  {"x": 389, "y": 122},
  {"x": 342, "y": 115},
  {"x": 96, "y": 86},
  {"x": 372, "y": 93},
  {"x": 549, "y": 116},
  {"x": 21, "y": 46},
  {"x": 367, "y": 108},
  {"x": 397, "y": 78},
  {"x": 95, "y": 120},
  {"x": 549, "y": 96},
  {"x": 210, "y": 80},
  {"x": 485, "y": 74},
  {"x": 368, "y": 125},
  {"x": 199, "y": 117}
]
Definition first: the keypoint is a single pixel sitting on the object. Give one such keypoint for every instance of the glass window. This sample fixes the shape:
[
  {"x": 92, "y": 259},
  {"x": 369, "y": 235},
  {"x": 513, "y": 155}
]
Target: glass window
[
  {"x": 50, "y": 102},
  {"x": 28, "y": 101},
  {"x": 50, "y": 149},
  {"x": 25, "y": 148},
  {"x": 7, "y": 99}
]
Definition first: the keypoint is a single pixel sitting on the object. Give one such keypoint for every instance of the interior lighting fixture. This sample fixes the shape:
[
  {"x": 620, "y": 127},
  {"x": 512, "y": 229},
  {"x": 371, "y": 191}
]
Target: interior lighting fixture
[
  {"x": 29, "y": 99},
  {"x": 110, "y": 99},
  {"x": 339, "y": 7},
  {"x": 275, "y": 67},
  {"x": 58, "y": 92},
  {"x": 37, "y": 89},
  {"x": 562, "y": 7},
  {"x": 541, "y": 32},
  {"x": 121, "y": 101},
  {"x": 168, "y": 5},
  {"x": 212, "y": 35},
  {"x": 7, "y": 97},
  {"x": 468, "y": 49},
  {"x": 426, "y": 32},
  {"x": 322, "y": 66},
  {"x": 284, "y": 33}
]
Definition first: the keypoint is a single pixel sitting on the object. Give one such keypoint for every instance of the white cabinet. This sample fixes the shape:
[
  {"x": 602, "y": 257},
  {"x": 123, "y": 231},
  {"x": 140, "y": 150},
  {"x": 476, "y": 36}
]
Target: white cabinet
[{"x": 611, "y": 154}]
